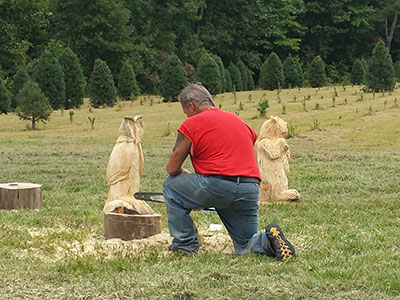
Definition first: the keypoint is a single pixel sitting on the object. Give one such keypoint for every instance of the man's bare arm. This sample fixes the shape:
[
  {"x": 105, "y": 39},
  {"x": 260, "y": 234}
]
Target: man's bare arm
[
  {"x": 179, "y": 139},
  {"x": 178, "y": 155}
]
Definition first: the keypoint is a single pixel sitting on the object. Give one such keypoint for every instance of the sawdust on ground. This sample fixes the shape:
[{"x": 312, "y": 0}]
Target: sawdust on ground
[{"x": 96, "y": 246}]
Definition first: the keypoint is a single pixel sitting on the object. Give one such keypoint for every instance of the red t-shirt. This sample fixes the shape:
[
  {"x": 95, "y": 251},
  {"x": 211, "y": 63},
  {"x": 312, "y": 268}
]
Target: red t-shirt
[{"x": 222, "y": 144}]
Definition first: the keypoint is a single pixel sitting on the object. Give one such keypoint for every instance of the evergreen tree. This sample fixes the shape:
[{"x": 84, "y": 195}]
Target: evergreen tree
[
  {"x": 18, "y": 82},
  {"x": 189, "y": 69},
  {"x": 317, "y": 75},
  {"x": 365, "y": 68},
  {"x": 243, "y": 74},
  {"x": 75, "y": 83},
  {"x": 33, "y": 104},
  {"x": 235, "y": 77},
  {"x": 300, "y": 73},
  {"x": 228, "y": 81},
  {"x": 127, "y": 84},
  {"x": 97, "y": 29},
  {"x": 49, "y": 75},
  {"x": 380, "y": 74},
  {"x": 364, "y": 64},
  {"x": 250, "y": 80},
  {"x": 397, "y": 70},
  {"x": 207, "y": 72},
  {"x": 262, "y": 80},
  {"x": 101, "y": 86},
  {"x": 173, "y": 78},
  {"x": 290, "y": 70},
  {"x": 221, "y": 69},
  {"x": 357, "y": 72},
  {"x": 5, "y": 98},
  {"x": 271, "y": 73}
]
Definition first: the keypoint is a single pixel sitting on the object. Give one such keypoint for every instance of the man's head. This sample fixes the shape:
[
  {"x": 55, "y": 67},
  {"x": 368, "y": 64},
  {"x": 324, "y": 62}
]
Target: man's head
[{"x": 195, "y": 98}]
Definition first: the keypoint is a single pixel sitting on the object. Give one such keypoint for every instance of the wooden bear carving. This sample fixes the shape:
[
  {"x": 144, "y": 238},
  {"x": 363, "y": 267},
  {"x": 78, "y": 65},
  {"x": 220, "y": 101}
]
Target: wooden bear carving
[
  {"x": 124, "y": 169},
  {"x": 273, "y": 161}
]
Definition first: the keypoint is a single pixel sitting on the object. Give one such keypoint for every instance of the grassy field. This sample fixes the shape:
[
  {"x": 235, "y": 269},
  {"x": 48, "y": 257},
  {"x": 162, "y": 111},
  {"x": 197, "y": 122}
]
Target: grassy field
[{"x": 345, "y": 162}]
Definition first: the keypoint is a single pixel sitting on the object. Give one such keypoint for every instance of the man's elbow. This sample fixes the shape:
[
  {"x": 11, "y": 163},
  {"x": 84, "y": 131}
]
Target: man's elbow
[{"x": 173, "y": 171}]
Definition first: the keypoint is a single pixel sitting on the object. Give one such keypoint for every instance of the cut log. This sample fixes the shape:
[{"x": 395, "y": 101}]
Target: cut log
[
  {"x": 20, "y": 195},
  {"x": 129, "y": 227}
]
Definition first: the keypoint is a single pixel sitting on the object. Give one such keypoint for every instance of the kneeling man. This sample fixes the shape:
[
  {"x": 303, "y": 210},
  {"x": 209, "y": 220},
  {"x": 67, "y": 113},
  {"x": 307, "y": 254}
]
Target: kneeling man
[{"x": 221, "y": 148}]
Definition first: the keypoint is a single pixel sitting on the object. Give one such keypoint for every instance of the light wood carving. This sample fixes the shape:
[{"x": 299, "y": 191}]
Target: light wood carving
[
  {"x": 124, "y": 169},
  {"x": 273, "y": 157}
]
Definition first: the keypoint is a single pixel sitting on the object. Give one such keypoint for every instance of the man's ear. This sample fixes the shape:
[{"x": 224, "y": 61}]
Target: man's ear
[{"x": 192, "y": 106}]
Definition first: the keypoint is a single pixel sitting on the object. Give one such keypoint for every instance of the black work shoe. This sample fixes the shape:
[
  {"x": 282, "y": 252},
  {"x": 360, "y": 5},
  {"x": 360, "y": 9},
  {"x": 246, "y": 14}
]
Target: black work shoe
[
  {"x": 172, "y": 248},
  {"x": 282, "y": 247}
]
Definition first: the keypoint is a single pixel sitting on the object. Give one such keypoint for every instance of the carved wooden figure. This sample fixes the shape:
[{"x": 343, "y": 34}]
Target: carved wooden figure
[
  {"x": 273, "y": 157},
  {"x": 125, "y": 168}
]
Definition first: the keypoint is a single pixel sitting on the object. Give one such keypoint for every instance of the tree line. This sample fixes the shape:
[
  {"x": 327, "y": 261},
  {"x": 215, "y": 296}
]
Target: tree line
[
  {"x": 104, "y": 48},
  {"x": 60, "y": 84},
  {"x": 146, "y": 32}
]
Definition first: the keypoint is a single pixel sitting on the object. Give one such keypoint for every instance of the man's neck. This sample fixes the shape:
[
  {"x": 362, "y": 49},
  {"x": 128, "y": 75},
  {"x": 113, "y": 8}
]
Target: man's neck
[{"x": 203, "y": 107}]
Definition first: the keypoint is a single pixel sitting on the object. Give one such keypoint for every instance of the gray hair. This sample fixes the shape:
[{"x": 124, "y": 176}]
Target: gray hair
[{"x": 197, "y": 93}]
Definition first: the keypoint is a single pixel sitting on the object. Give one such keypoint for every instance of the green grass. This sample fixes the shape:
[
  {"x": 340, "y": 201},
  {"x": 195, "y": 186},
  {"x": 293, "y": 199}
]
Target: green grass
[{"x": 345, "y": 228}]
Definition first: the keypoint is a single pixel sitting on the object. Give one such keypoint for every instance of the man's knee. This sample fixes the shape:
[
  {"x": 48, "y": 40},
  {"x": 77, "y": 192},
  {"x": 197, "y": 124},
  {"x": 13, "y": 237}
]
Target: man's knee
[
  {"x": 166, "y": 184},
  {"x": 173, "y": 183}
]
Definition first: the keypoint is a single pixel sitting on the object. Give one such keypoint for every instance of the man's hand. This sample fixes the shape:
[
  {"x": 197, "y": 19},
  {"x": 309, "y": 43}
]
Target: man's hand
[
  {"x": 185, "y": 171},
  {"x": 178, "y": 156}
]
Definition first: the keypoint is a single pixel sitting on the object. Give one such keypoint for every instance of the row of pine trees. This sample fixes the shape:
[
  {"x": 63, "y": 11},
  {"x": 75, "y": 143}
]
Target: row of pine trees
[
  {"x": 53, "y": 83},
  {"x": 378, "y": 74}
]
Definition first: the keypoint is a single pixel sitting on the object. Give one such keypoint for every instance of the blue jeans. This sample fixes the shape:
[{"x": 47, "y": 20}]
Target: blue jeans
[{"x": 235, "y": 203}]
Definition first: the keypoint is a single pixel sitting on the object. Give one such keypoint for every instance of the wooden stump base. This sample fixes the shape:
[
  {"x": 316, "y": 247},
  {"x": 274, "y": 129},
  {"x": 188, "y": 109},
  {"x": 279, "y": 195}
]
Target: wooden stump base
[
  {"x": 20, "y": 195},
  {"x": 129, "y": 227}
]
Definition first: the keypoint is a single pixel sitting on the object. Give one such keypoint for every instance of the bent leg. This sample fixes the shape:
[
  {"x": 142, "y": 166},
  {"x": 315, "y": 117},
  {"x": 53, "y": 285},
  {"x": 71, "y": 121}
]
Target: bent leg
[
  {"x": 242, "y": 227},
  {"x": 241, "y": 220},
  {"x": 259, "y": 243},
  {"x": 183, "y": 193}
]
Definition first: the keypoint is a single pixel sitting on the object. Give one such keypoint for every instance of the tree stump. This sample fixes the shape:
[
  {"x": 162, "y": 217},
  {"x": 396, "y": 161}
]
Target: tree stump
[
  {"x": 129, "y": 227},
  {"x": 20, "y": 195}
]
